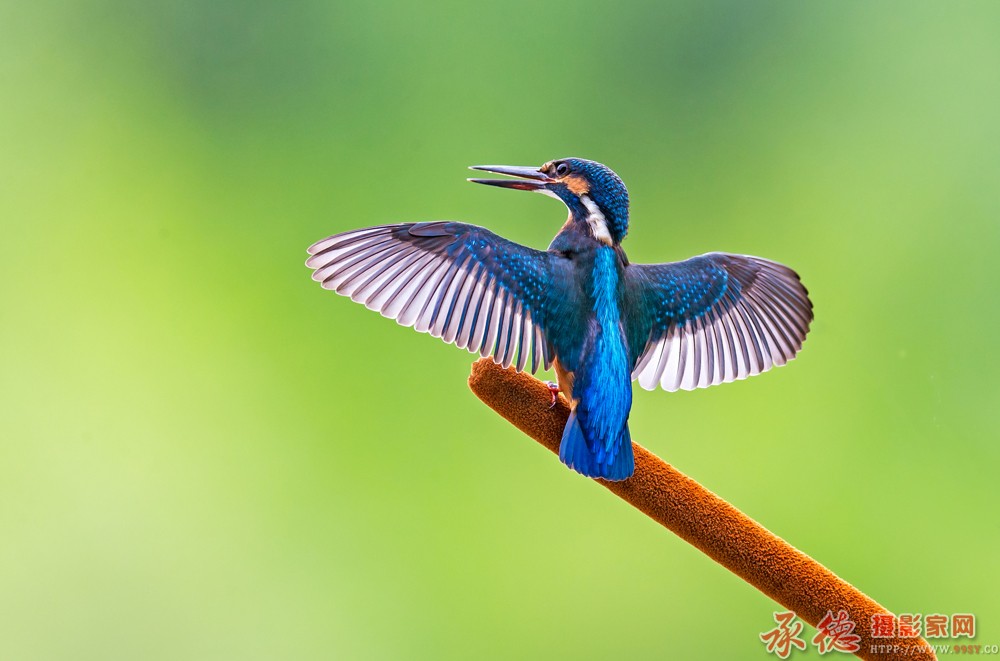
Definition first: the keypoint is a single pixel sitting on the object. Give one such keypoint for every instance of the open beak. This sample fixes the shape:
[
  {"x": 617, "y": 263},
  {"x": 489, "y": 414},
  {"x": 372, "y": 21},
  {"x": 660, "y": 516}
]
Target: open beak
[{"x": 528, "y": 178}]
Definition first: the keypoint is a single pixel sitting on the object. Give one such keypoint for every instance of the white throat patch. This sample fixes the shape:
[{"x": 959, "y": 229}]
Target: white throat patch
[{"x": 598, "y": 223}]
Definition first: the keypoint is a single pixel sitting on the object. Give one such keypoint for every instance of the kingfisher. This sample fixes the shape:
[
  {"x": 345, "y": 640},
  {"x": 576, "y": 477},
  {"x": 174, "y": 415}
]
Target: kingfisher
[{"x": 579, "y": 307}]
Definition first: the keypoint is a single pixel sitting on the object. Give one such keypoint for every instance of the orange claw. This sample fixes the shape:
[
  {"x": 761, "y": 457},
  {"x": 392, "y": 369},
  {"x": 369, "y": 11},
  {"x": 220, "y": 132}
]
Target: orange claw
[{"x": 553, "y": 391}]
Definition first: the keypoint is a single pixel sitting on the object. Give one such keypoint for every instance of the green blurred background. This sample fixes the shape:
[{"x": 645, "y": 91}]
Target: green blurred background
[{"x": 203, "y": 455}]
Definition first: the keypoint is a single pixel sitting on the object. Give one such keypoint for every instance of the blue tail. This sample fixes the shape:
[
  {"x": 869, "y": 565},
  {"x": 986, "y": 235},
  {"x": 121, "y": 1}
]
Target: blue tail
[{"x": 613, "y": 463}]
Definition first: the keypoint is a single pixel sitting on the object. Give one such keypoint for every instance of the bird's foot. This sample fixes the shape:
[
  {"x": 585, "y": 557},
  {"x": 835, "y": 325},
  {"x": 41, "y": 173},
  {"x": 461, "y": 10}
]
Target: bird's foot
[{"x": 554, "y": 391}]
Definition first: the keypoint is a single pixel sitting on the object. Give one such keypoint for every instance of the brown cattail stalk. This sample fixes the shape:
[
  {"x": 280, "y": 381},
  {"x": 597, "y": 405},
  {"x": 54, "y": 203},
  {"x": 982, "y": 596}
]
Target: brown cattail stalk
[{"x": 701, "y": 518}]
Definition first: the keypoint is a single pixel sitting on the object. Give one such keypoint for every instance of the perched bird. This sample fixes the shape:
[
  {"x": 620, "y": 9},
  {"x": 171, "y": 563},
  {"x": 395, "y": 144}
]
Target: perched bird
[{"x": 579, "y": 307}]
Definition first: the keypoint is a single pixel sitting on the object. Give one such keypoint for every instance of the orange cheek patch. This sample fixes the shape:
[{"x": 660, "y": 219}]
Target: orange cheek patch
[{"x": 578, "y": 185}]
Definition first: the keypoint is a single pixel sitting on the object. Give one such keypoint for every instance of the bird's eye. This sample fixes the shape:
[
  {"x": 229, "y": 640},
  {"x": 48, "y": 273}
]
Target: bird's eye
[{"x": 562, "y": 169}]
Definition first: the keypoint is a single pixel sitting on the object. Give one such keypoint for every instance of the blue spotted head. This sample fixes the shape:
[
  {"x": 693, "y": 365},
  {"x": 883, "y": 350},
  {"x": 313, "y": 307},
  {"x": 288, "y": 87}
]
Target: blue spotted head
[{"x": 594, "y": 194}]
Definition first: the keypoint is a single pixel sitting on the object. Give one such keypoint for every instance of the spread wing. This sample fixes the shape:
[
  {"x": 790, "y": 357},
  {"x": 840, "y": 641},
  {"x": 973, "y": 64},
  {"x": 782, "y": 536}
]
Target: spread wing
[
  {"x": 459, "y": 282},
  {"x": 713, "y": 319}
]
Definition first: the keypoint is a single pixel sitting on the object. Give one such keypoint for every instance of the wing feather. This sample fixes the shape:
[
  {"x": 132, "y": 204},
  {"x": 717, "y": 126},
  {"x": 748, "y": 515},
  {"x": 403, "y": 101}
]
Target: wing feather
[
  {"x": 455, "y": 281},
  {"x": 714, "y": 319}
]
